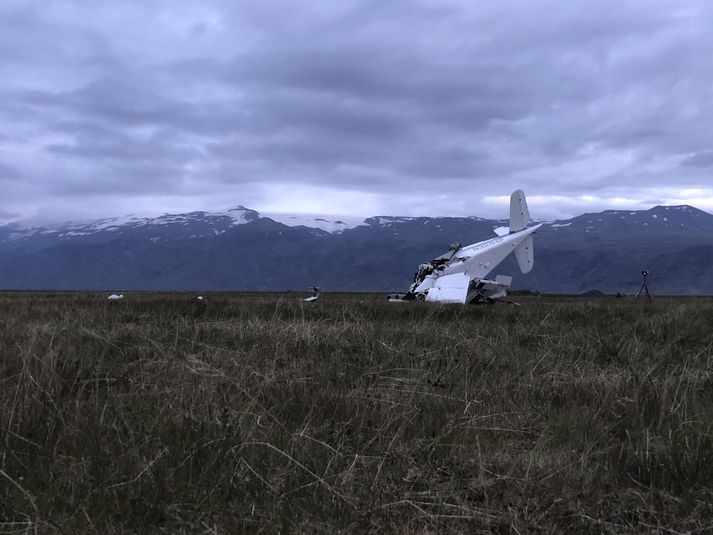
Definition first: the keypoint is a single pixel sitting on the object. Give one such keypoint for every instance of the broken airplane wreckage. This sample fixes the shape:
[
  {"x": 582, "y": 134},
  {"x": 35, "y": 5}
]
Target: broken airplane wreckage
[{"x": 459, "y": 275}]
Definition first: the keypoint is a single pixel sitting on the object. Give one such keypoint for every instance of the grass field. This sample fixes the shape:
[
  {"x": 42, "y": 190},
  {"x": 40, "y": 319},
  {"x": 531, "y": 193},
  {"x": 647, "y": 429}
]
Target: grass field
[{"x": 260, "y": 413}]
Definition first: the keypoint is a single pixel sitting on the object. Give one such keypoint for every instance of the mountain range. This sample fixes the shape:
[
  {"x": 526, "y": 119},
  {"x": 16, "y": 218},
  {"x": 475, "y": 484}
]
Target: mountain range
[{"x": 241, "y": 249}]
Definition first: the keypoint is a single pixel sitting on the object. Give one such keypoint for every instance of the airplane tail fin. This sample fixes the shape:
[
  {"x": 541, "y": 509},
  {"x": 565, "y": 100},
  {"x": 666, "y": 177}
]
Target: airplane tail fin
[
  {"x": 519, "y": 214},
  {"x": 525, "y": 254}
]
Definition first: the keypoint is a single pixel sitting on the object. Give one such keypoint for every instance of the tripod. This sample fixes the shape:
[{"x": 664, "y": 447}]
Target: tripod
[{"x": 644, "y": 288}]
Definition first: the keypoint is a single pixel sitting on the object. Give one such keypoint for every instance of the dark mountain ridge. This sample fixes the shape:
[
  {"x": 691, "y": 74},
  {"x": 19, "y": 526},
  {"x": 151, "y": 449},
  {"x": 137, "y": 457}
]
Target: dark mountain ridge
[{"x": 241, "y": 250}]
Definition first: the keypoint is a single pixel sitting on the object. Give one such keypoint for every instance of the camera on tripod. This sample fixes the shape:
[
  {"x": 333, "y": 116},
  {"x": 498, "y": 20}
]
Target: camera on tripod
[{"x": 644, "y": 287}]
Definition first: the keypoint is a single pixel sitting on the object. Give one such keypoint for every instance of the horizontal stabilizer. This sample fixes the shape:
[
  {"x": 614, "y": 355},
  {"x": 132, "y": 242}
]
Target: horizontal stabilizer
[
  {"x": 525, "y": 254},
  {"x": 519, "y": 214},
  {"x": 449, "y": 289},
  {"x": 503, "y": 280}
]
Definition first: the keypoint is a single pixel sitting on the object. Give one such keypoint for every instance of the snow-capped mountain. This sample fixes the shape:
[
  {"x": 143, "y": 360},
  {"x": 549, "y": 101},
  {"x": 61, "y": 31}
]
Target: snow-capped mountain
[
  {"x": 203, "y": 223},
  {"x": 215, "y": 223},
  {"x": 241, "y": 249},
  {"x": 658, "y": 217}
]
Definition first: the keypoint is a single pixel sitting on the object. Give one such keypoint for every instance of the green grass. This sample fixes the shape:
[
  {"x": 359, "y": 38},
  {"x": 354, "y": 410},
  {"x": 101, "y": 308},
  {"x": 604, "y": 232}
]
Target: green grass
[{"x": 260, "y": 413}]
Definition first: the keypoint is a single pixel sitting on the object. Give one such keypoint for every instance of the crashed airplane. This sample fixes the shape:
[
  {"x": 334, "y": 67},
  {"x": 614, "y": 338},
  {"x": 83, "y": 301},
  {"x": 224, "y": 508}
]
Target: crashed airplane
[{"x": 459, "y": 275}]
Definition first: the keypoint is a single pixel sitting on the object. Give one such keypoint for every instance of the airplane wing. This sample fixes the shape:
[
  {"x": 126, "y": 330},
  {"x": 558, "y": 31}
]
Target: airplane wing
[{"x": 449, "y": 289}]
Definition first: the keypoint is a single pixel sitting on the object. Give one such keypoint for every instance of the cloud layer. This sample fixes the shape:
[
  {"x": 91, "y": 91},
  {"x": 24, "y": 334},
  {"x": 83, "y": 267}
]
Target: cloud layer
[{"x": 416, "y": 108}]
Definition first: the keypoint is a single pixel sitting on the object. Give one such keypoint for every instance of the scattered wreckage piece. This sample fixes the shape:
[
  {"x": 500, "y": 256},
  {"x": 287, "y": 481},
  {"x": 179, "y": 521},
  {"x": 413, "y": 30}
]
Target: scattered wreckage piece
[
  {"x": 314, "y": 296},
  {"x": 114, "y": 297},
  {"x": 459, "y": 276}
]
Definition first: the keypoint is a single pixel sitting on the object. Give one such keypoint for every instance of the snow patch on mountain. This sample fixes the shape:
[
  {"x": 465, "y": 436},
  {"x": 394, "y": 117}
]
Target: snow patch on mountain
[
  {"x": 110, "y": 224},
  {"x": 327, "y": 223},
  {"x": 386, "y": 220}
]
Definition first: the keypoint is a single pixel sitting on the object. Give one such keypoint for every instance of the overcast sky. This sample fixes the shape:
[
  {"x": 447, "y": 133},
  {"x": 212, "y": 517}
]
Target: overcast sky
[{"x": 405, "y": 107}]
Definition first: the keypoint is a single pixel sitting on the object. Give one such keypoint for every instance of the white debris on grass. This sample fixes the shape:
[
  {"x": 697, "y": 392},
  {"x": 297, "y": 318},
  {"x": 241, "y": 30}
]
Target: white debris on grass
[{"x": 314, "y": 297}]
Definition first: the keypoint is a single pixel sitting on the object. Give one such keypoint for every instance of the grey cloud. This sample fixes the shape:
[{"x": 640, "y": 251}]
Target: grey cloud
[
  {"x": 8, "y": 215},
  {"x": 8, "y": 173},
  {"x": 701, "y": 159},
  {"x": 94, "y": 141},
  {"x": 382, "y": 97}
]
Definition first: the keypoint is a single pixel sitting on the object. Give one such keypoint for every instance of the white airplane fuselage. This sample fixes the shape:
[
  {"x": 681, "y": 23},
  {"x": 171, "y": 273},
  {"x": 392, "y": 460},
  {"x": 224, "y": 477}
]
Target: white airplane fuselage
[{"x": 459, "y": 276}]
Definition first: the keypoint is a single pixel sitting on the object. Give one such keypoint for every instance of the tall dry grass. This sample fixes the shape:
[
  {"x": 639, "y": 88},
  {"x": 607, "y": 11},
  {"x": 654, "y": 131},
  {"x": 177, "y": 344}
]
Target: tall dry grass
[{"x": 260, "y": 413}]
